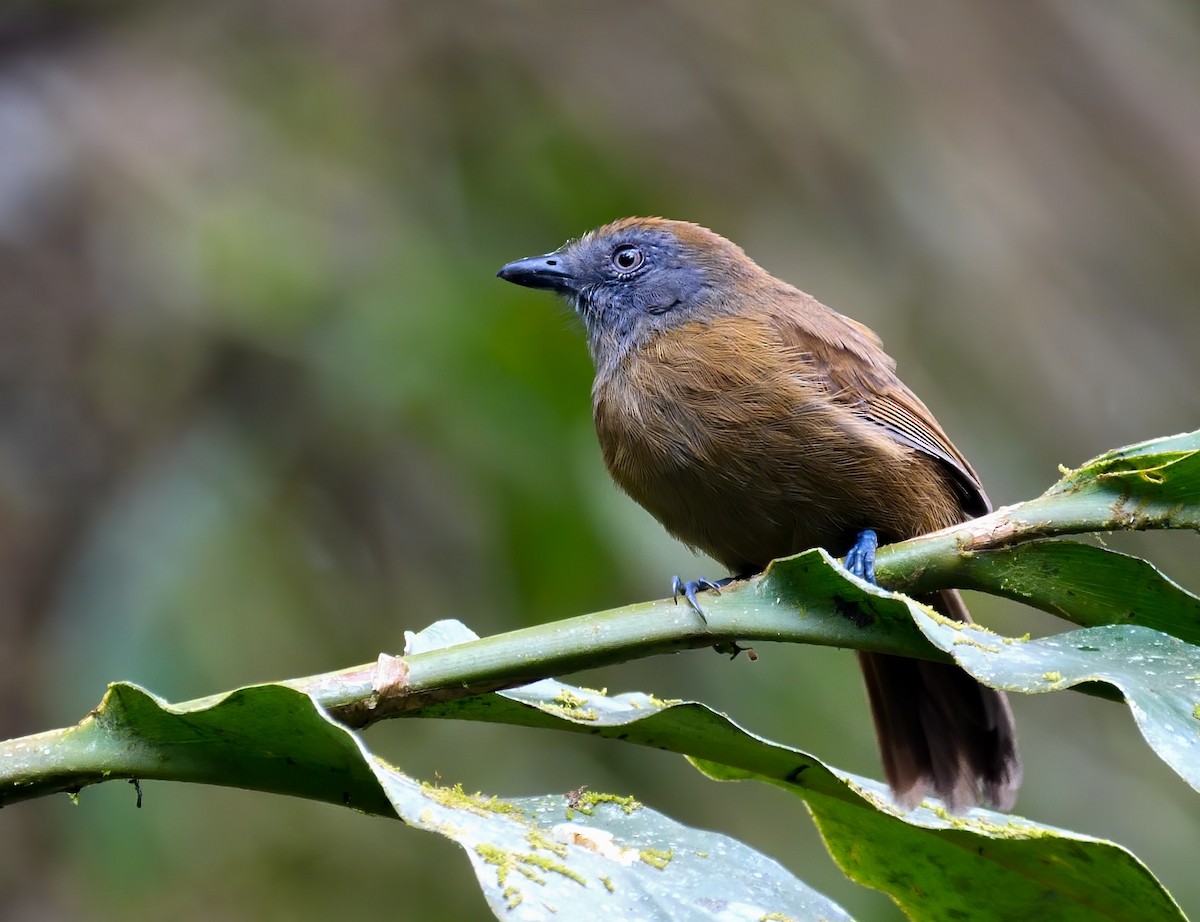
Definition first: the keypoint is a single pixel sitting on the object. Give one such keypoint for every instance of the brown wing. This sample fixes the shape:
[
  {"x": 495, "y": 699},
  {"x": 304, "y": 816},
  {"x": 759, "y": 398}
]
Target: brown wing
[{"x": 850, "y": 359}]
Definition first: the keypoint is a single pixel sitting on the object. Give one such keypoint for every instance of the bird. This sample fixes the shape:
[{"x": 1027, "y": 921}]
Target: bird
[{"x": 753, "y": 422}]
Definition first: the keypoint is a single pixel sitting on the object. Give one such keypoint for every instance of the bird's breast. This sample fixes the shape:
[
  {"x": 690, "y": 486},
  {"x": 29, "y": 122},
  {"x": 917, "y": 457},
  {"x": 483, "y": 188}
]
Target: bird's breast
[
  {"x": 728, "y": 439},
  {"x": 715, "y": 439}
]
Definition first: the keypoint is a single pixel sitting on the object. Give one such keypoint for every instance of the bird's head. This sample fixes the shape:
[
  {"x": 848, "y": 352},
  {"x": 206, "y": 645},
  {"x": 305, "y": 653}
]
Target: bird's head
[{"x": 638, "y": 277}]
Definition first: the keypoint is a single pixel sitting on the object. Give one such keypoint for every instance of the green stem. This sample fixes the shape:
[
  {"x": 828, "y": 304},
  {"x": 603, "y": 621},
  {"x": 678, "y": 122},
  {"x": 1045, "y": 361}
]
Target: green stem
[{"x": 797, "y": 600}]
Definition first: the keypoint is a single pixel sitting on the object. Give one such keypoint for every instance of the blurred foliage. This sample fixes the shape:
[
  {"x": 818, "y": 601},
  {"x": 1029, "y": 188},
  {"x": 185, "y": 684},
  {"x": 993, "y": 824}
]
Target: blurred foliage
[{"x": 264, "y": 405}]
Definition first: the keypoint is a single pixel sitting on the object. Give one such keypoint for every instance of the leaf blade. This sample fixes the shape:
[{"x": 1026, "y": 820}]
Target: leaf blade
[
  {"x": 984, "y": 866},
  {"x": 1087, "y": 584}
]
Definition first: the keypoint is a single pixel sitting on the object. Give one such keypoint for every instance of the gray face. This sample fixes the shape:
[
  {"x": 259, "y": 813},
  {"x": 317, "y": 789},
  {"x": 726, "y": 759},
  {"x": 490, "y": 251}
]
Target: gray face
[{"x": 627, "y": 284}]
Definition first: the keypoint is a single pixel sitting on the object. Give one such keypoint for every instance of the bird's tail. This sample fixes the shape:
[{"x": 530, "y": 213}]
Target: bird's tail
[{"x": 941, "y": 732}]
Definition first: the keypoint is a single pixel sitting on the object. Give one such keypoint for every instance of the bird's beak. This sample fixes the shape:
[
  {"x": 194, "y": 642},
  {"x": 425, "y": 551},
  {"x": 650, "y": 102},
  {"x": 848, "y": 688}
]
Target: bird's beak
[{"x": 539, "y": 272}]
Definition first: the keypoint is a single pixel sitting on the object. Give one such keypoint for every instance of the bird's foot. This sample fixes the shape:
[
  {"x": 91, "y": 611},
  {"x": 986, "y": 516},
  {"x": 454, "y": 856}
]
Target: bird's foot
[
  {"x": 689, "y": 589},
  {"x": 860, "y": 559}
]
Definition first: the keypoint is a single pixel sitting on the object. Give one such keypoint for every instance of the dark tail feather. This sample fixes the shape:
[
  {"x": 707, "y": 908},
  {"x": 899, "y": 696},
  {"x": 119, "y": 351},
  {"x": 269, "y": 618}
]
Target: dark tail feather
[{"x": 941, "y": 732}]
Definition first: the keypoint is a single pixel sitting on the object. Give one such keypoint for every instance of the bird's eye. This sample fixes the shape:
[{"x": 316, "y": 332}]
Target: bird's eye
[{"x": 627, "y": 258}]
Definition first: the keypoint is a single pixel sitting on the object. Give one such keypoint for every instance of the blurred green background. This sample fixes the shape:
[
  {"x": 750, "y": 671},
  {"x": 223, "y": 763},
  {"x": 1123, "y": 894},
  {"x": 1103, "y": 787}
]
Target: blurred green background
[{"x": 264, "y": 405}]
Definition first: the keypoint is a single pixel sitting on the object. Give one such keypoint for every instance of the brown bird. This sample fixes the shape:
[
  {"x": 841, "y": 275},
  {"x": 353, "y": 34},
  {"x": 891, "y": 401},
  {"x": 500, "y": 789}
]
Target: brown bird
[{"x": 754, "y": 422}]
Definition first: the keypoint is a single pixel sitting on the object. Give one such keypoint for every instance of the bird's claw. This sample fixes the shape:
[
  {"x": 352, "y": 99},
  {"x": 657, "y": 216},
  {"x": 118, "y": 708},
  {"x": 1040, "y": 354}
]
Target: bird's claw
[
  {"x": 689, "y": 589},
  {"x": 860, "y": 559}
]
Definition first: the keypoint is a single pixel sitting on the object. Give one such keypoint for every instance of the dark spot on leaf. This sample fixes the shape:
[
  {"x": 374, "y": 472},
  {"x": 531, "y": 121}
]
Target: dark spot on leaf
[
  {"x": 856, "y": 614},
  {"x": 794, "y": 775}
]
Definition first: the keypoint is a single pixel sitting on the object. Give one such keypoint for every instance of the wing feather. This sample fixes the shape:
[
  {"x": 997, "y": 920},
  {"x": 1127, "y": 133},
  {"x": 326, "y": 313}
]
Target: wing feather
[{"x": 849, "y": 359}]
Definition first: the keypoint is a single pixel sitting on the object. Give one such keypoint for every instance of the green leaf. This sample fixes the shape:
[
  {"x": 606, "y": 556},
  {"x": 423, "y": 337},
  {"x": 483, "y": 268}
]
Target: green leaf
[
  {"x": 1086, "y": 584},
  {"x": 275, "y": 738},
  {"x": 1155, "y": 484},
  {"x": 582, "y": 856},
  {"x": 984, "y": 865},
  {"x": 589, "y": 856},
  {"x": 264, "y": 738},
  {"x": 1159, "y": 675},
  {"x": 1156, "y": 479}
]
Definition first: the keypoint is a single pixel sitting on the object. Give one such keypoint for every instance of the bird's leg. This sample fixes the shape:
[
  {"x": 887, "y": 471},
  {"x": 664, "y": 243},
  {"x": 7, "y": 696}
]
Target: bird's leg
[
  {"x": 689, "y": 589},
  {"x": 860, "y": 559}
]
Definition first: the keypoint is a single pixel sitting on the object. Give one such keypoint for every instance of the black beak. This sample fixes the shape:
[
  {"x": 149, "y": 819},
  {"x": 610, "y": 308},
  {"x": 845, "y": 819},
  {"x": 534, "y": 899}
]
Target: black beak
[{"x": 539, "y": 272}]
